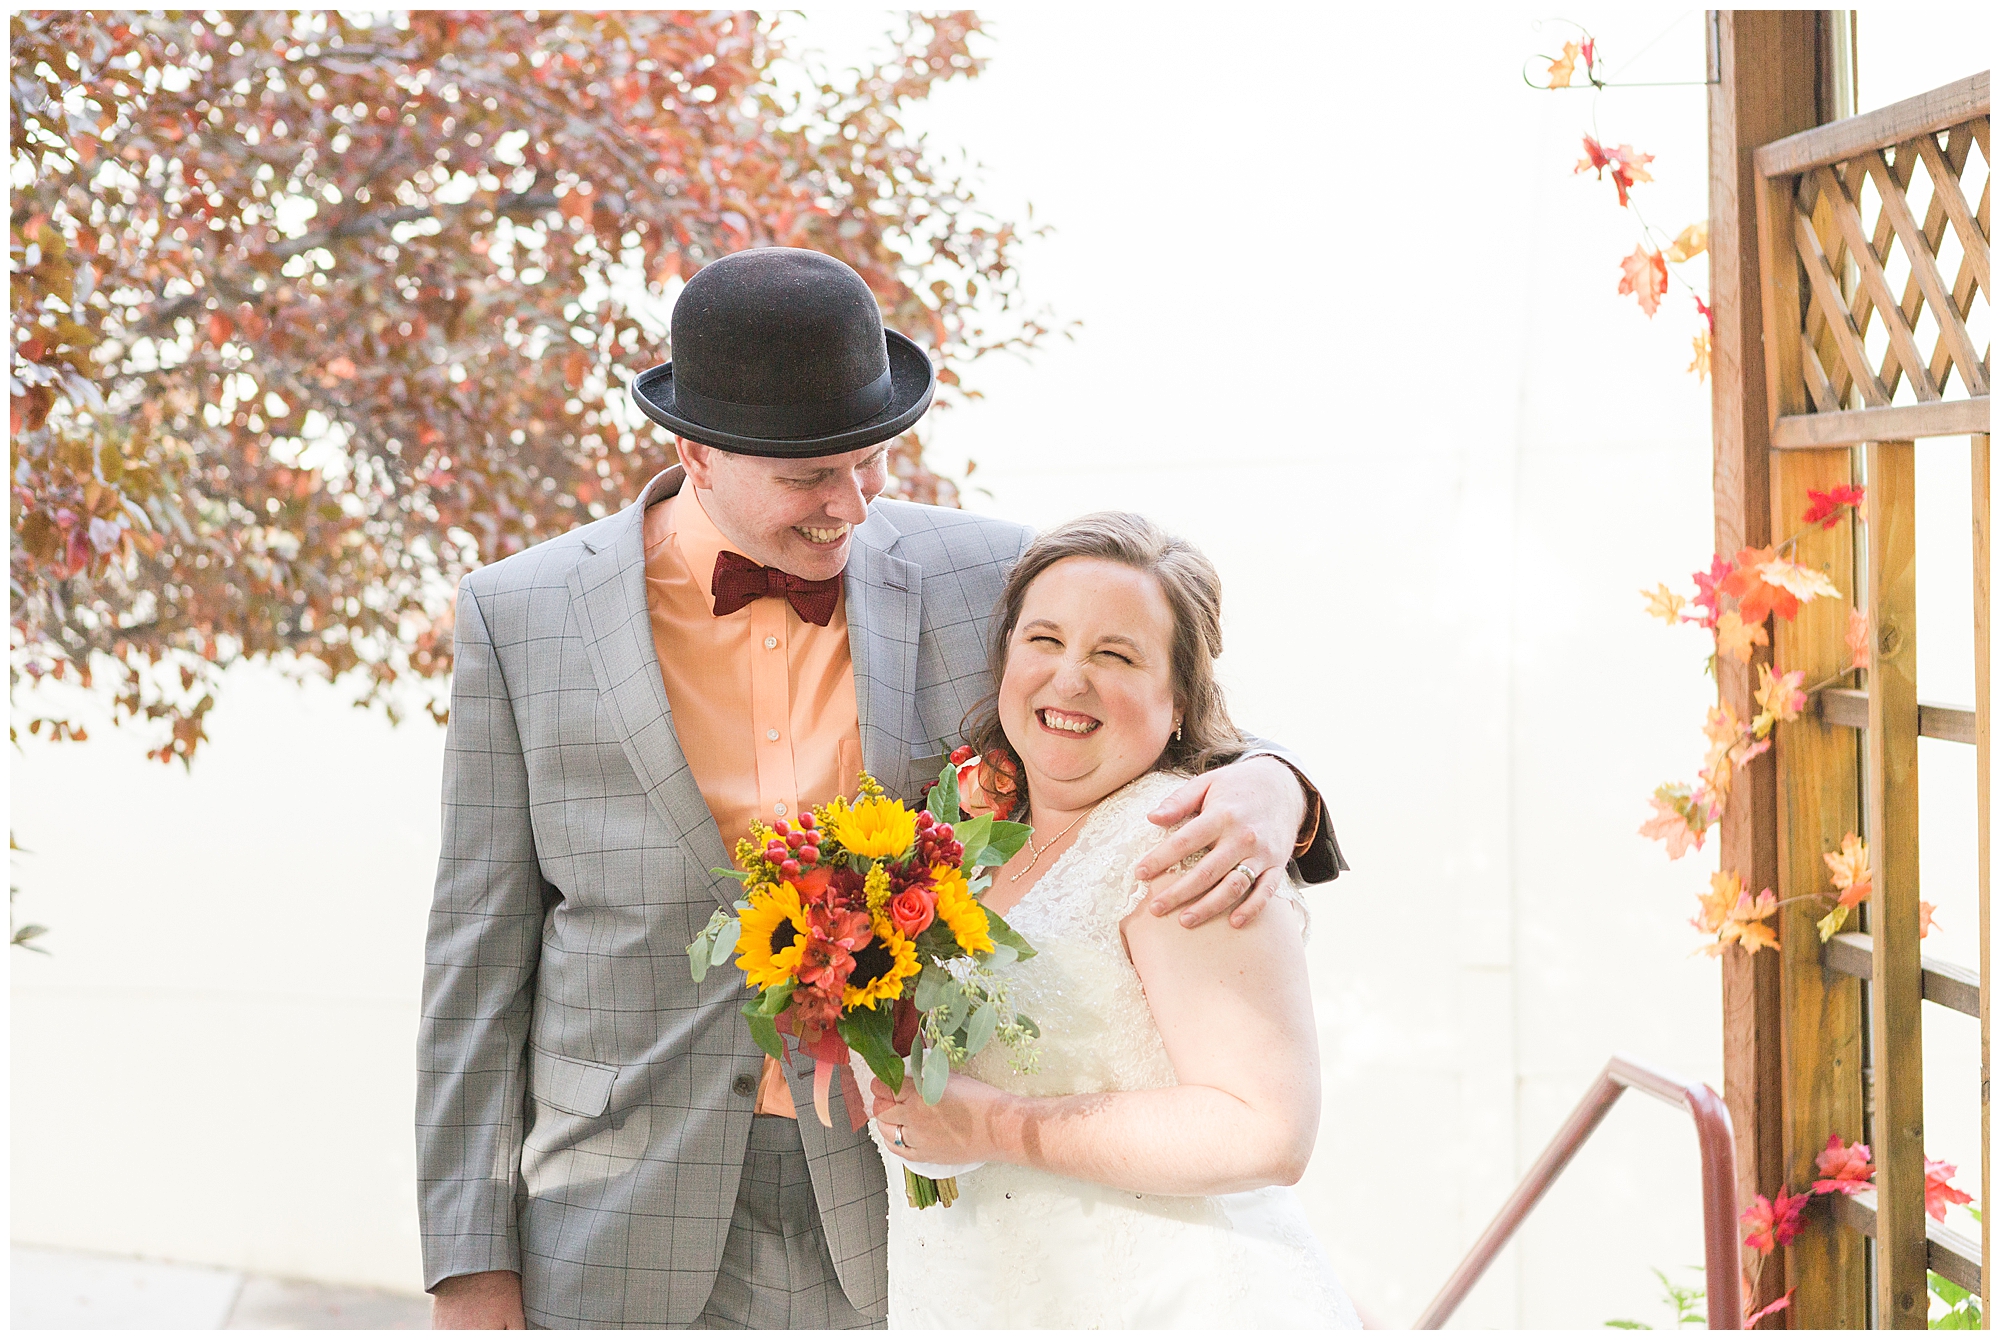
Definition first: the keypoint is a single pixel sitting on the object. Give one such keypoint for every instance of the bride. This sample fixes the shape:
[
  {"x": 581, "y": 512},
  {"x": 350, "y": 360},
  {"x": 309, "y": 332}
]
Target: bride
[{"x": 1138, "y": 1178}]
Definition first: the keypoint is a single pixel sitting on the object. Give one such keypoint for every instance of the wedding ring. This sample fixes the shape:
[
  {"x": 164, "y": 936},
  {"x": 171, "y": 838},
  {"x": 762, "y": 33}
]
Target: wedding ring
[
  {"x": 897, "y": 1138},
  {"x": 1248, "y": 873}
]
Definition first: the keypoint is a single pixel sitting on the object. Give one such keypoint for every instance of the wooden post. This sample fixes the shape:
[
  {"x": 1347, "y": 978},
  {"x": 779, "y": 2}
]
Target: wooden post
[
  {"x": 1982, "y": 738},
  {"x": 1819, "y": 796},
  {"x": 1896, "y": 992},
  {"x": 1767, "y": 65}
]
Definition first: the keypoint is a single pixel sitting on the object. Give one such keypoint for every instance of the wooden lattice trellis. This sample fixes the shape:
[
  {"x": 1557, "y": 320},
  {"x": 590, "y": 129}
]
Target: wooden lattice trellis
[{"x": 1891, "y": 348}]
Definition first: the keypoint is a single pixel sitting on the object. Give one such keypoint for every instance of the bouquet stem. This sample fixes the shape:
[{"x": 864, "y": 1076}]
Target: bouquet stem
[{"x": 925, "y": 1192}]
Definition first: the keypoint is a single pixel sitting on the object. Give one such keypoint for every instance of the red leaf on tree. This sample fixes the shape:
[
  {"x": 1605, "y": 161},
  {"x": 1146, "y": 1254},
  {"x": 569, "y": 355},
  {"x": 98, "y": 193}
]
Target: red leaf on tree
[
  {"x": 220, "y": 328},
  {"x": 575, "y": 364},
  {"x": 1827, "y": 503},
  {"x": 1645, "y": 278},
  {"x": 1707, "y": 594},
  {"x": 1843, "y": 1167}
]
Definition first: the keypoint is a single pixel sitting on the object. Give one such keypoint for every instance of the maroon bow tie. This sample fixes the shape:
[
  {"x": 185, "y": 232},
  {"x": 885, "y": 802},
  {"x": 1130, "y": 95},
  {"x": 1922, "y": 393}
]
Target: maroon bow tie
[{"x": 738, "y": 581}]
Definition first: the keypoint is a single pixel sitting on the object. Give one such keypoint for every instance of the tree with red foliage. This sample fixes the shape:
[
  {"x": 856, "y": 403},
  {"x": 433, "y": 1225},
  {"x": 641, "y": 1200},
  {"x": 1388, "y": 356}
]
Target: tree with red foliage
[{"x": 313, "y": 313}]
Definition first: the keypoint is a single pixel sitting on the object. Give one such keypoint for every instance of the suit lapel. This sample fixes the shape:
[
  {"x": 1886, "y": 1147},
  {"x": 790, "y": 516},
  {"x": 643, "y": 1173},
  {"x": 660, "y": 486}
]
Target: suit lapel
[
  {"x": 608, "y": 591},
  {"x": 884, "y": 617}
]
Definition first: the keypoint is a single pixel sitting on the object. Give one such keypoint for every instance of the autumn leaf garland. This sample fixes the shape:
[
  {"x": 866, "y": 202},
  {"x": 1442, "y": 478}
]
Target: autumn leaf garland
[
  {"x": 1733, "y": 600},
  {"x": 1644, "y": 274}
]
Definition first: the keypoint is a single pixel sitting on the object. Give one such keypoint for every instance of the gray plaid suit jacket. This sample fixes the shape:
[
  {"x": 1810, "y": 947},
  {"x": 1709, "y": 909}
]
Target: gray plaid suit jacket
[{"x": 582, "y": 1105}]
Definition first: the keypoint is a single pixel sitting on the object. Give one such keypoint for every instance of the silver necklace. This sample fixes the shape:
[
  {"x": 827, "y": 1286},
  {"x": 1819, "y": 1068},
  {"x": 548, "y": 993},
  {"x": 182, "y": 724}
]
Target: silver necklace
[{"x": 1036, "y": 853}]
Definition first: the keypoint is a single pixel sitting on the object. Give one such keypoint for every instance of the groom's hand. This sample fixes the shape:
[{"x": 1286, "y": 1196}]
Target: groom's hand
[
  {"x": 487, "y": 1301},
  {"x": 1247, "y": 813}
]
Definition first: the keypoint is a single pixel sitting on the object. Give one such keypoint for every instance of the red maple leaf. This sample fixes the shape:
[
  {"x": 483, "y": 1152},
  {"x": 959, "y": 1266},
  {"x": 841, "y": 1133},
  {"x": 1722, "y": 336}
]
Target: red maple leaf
[
  {"x": 1706, "y": 592},
  {"x": 1645, "y": 278},
  {"x": 1750, "y": 1319},
  {"x": 1843, "y": 1168},
  {"x": 1767, "y": 1224},
  {"x": 1628, "y": 166},
  {"x": 1827, "y": 503},
  {"x": 1938, "y": 1190},
  {"x": 1707, "y": 314}
]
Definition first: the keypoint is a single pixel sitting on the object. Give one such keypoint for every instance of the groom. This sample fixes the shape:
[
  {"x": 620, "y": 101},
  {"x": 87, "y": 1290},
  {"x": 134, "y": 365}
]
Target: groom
[{"x": 599, "y": 1141}]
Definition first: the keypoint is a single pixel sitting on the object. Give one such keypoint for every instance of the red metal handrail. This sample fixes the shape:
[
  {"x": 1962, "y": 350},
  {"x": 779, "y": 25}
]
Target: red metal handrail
[{"x": 1718, "y": 1189}]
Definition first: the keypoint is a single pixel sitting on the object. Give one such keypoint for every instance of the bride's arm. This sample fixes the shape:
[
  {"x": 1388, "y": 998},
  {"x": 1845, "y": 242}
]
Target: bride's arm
[{"x": 1235, "y": 1011}]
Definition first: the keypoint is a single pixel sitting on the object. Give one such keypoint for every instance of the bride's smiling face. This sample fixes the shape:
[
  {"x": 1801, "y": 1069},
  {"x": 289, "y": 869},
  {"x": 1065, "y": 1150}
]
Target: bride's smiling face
[{"x": 1087, "y": 700}]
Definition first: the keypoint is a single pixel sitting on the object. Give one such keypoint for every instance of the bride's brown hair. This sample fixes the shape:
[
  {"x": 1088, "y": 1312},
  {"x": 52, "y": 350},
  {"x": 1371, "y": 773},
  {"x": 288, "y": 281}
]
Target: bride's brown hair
[{"x": 1193, "y": 590}]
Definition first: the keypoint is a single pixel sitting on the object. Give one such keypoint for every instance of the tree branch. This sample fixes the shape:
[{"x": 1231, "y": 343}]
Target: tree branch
[{"x": 510, "y": 203}]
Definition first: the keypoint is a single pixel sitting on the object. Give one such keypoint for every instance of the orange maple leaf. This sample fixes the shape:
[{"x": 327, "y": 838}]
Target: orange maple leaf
[
  {"x": 1926, "y": 913},
  {"x": 1704, "y": 356},
  {"x": 1563, "y": 67},
  {"x": 1692, "y": 241},
  {"x": 1645, "y": 278},
  {"x": 1857, "y": 639},
  {"x": 1756, "y": 597},
  {"x": 1735, "y": 638},
  {"x": 1849, "y": 867}
]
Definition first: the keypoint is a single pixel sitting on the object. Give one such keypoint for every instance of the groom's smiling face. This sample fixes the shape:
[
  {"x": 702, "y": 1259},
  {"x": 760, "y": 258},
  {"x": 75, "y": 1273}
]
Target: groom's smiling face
[{"x": 796, "y": 516}]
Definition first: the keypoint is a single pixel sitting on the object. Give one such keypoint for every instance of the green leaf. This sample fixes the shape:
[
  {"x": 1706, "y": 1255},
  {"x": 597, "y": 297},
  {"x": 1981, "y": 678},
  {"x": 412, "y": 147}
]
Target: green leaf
[
  {"x": 1006, "y": 935},
  {"x": 957, "y": 1004},
  {"x": 930, "y": 988},
  {"x": 1003, "y": 955},
  {"x": 871, "y": 1032},
  {"x": 943, "y": 803},
  {"x": 1945, "y": 1289},
  {"x": 980, "y": 1028},
  {"x": 725, "y": 942},
  {"x": 1006, "y": 839},
  {"x": 1027, "y": 1025},
  {"x": 761, "y": 1012},
  {"x": 974, "y": 833},
  {"x": 740, "y": 876},
  {"x": 937, "y": 1069},
  {"x": 1620, "y": 1324}
]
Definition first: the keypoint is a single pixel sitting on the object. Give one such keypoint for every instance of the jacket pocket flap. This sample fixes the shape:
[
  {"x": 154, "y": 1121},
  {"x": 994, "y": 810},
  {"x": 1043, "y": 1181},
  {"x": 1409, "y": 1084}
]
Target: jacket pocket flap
[{"x": 581, "y": 1088}]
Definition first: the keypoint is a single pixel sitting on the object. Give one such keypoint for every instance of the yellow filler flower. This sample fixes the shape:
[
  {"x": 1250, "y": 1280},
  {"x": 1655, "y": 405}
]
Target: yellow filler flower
[
  {"x": 958, "y": 909},
  {"x": 773, "y": 936},
  {"x": 880, "y": 968},
  {"x": 875, "y": 827}
]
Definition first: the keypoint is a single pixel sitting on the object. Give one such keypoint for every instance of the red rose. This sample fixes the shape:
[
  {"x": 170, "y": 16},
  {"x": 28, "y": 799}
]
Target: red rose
[{"x": 913, "y": 909}]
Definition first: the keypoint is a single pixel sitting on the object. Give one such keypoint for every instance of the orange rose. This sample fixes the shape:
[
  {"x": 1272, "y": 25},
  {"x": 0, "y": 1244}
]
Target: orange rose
[{"x": 912, "y": 910}]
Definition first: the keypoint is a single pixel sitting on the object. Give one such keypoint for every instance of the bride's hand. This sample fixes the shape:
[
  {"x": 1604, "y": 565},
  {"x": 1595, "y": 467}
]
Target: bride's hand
[
  {"x": 964, "y": 1127},
  {"x": 1247, "y": 815}
]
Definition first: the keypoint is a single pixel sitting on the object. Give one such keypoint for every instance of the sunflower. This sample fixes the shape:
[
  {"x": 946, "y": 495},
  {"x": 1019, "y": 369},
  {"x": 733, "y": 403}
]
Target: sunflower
[
  {"x": 773, "y": 935},
  {"x": 958, "y": 909},
  {"x": 875, "y": 827},
  {"x": 880, "y": 968}
]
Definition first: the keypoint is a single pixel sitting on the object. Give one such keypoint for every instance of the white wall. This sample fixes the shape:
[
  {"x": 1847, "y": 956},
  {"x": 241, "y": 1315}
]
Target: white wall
[{"x": 1348, "y": 322}]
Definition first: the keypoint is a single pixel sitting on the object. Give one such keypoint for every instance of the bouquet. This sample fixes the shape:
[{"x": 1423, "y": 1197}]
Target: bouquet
[{"x": 862, "y": 934}]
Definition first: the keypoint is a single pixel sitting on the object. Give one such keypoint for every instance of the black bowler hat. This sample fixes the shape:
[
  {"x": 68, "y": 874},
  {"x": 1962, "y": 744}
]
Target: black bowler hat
[{"x": 781, "y": 352}]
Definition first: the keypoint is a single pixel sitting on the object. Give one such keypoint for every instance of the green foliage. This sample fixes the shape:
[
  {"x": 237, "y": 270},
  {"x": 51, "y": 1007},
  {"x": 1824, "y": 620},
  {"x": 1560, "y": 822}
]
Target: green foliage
[
  {"x": 871, "y": 1033},
  {"x": 1962, "y": 1309},
  {"x": 1685, "y": 1301},
  {"x": 21, "y": 936}
]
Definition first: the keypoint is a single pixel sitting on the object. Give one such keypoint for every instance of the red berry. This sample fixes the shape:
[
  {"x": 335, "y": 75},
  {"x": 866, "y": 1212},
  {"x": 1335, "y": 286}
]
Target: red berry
[
  {"x": 809, "y": 854},
  {"x": 789, "y": 869},
  {"x": 924, "y": 820},
  {"x": 781, "y": 828},
  {"x": 944, "y": 832},
  {"x": 795, "y": 840},
  {"x": 806, "y": 819}
]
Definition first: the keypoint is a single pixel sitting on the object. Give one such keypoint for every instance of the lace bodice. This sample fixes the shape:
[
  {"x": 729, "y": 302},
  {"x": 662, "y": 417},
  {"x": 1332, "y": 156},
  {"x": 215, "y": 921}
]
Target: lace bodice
[{"x": 1028, "y": 1248}]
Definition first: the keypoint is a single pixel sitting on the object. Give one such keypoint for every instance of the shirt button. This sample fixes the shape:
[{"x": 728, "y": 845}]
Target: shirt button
[
  {"x": 743, "y": 1086},
  {"x": 771, "y": 734},
  {"x": 778, "y": 809},
  {"x": 770, "y": 643}
]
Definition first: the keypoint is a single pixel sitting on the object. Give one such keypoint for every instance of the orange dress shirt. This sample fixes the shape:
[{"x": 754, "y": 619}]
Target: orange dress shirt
[{"x": 763, "y": 701}]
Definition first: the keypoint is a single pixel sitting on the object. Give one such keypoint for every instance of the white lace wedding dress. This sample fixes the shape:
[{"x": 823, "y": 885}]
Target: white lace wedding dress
[{"x": 1024, "y": 1248}]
